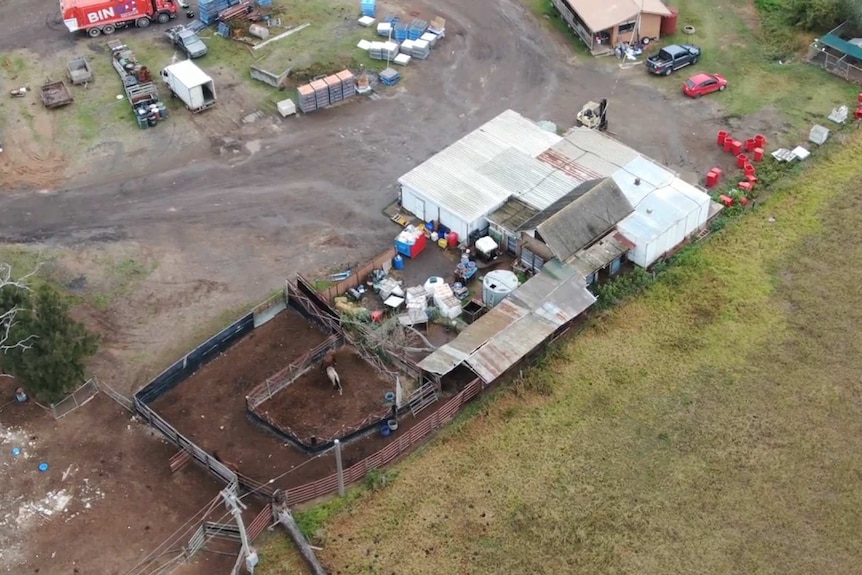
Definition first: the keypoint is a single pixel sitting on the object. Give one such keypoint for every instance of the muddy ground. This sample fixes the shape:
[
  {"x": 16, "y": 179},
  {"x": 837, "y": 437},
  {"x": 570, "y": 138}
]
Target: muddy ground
[
  {"x": 209, "y": 407},
  {"x": 213, "y": 213},
  {"x": 312, "y": 411}
]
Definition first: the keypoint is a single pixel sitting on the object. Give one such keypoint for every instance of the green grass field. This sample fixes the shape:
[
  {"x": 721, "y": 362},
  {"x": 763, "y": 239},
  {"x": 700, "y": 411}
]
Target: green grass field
[
  {"x": 711, "y": 425},
  {"x": 754, "y": 58}
]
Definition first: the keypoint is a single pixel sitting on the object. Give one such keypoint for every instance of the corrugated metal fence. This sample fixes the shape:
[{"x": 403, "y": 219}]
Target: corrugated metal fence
[{"x": 329, "y": 484}]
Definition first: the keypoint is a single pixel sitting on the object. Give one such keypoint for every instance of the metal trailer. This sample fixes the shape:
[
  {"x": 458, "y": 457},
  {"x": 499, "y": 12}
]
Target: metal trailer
[
  {"x": 56, "y": 94},
  {"x": 79, "y": 71}
]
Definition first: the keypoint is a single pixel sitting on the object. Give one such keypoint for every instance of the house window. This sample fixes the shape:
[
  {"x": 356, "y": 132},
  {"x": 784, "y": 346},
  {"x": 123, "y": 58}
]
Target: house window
[{"x": 627, "y": 27}]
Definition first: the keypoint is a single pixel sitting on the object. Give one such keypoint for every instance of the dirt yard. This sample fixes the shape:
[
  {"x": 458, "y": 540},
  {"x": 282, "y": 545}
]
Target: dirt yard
[
  {"x": 313, "y": 412},
  {"x": 108, "y": 477},
  {"x": 167, "y": 234},
  {"x": 209, "y": 407}
]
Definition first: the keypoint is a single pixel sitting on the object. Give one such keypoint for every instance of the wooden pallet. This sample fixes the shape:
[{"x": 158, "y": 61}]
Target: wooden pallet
[
  {"x": 400, "y": 219},
  {"x": 179, "y": 460}
]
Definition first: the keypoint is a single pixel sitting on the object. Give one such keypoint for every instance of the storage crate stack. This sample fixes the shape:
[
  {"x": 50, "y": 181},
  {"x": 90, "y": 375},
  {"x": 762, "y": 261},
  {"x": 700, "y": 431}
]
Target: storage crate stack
[
  {"x": 375, "y": 51},
  {"x": 209, "y": 10},
  {"x": 384, "y": 29},
  {"x": 307, "y": 99},
  {"x": 438, "y": 27},
  {"x": 336, "y": 90},
  {"x": 416, "y": 29},
  {"x": 321, "y": 93},
  {"x": 367, "y": 7},
  {"x": 348, "y": 83},
  {"x": 430, "y": 37},
  {"x": 400, "y": 31},
  {"x": 389, "y": 77},
  {"x": 420, "y": 49},
  {"x": 223, "y": 30},
  {"x": 390, "y": 50}
]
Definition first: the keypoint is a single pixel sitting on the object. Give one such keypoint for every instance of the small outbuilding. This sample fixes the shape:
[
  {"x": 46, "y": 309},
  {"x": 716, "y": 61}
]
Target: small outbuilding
[
  {"x": 602, "y": 24},
  {"x": 839, "y": 52}
]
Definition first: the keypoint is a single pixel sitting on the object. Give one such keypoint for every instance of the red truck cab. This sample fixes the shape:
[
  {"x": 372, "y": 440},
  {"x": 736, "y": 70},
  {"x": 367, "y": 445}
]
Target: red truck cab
[{"x": 97, "y": 17}]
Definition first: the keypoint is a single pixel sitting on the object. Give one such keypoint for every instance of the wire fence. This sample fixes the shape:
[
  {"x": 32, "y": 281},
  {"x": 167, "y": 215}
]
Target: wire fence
[
  {"x": 275, "y": 383},
  {"x": 83, "y": 394},
  {"x": 124, "y": 401}
]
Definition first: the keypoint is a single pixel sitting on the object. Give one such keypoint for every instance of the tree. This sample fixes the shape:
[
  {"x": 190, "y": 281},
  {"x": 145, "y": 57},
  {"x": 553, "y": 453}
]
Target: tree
[
  {"x": 14, "y": 300},
  {"x": 822, "y": 15},
  {"x": 41, "y": 345}
]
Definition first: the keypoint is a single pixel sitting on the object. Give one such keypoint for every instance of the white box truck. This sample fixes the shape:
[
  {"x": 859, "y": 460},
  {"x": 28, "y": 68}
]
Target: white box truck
[{"x": 191, "y": 85}]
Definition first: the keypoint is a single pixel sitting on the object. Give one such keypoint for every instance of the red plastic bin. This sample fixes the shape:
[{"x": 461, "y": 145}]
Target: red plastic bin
[{"x": 758, "y": 154}]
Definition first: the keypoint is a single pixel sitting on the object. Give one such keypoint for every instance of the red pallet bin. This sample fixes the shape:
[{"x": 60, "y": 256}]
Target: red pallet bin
[
  {"x": 749, "y": 170},
  {"x": 736, "y": 148},
  {"x": 726, "y": 200},
  {"x": 722, "y": 136},
  {"x": 760, "y": 141},
  {"x": 741, "y": 160},
  {"x": 758, "y": 154},
  {"x": 711, "y": 179},
  {"x": 745, "y": 186},
  {"x": 749, "y": 145},
  {"x": 728, "y": 143}
]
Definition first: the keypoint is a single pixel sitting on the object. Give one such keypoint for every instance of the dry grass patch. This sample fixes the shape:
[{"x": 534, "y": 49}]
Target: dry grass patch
[{"x": 678, "y": 438}]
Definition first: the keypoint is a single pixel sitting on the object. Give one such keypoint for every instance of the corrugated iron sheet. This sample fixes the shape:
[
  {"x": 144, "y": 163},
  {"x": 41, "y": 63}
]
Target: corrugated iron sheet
[
  {"x": 509, "y": 347},
  {"x": 600, "y": 254},
  {"x": 541, "y": 305},
  {"x": 564, "y": 300},
  {"x": 513, "y": 130},
  {"x": 455, "y": 180},
  {"x": 513, "y": 214},
  {"x": 445, "y": 358},
  {"x": 569, "y": 166},
  {"x": 601, "y": 145}
]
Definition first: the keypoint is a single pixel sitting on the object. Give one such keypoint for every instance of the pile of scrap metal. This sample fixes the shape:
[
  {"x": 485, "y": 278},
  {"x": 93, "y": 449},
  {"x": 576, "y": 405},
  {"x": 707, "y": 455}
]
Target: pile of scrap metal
[{"x": 243, "y": 11}]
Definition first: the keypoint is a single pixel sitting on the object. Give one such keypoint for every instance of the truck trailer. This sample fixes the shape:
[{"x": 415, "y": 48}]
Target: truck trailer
[
  {"x": 191, "y": 85},
  {"x": 97, "y": 17}
]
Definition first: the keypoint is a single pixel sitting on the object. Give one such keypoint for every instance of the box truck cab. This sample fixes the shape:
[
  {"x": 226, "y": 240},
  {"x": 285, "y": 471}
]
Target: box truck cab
[
  {"x": 191, "y": 85},
  {"x": 97, "y": 17}
]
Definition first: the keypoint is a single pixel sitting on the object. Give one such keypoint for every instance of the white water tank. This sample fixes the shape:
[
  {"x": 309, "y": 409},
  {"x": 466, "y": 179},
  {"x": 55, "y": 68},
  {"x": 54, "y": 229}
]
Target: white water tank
[{"x": 497, "y": 285}]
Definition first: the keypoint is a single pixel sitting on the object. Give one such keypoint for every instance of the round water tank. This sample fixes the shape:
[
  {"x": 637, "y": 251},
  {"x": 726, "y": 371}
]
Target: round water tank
[
  {"x": 668, "y": 23},
  {"x": 497, "y": 285}
]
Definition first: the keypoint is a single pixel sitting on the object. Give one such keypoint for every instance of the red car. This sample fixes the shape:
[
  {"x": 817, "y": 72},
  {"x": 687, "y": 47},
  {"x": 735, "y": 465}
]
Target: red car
[{"x": 701, "y": 84}]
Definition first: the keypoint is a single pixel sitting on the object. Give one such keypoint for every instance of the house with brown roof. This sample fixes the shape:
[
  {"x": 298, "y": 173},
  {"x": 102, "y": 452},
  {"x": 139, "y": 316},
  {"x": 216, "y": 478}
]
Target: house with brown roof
[{"x": 602, "y": 24}]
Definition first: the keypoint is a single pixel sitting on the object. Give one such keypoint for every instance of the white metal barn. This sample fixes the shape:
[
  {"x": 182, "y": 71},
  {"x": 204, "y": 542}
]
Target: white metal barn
[
  {"x": 465, "y": 182},
  {"x": 511, "y": 157}
]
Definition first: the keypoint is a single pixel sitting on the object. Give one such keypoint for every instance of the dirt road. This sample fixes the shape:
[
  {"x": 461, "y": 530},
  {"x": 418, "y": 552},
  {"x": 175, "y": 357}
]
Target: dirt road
[{"x": 306, "y": 193}]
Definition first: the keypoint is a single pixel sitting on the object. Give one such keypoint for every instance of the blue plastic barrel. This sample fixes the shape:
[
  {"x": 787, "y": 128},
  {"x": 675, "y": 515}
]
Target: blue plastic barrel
[
  {"x": 384, "y": 430},
  {"x": 398, "y": 262}
]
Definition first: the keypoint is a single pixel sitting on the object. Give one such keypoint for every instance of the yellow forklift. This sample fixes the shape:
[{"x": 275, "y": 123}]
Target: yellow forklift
[{"x": 594, "y": 115}]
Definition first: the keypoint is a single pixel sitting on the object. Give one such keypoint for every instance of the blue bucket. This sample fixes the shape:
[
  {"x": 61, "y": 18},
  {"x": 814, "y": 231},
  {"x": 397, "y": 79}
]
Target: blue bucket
[{"x": 384, "y": 430}]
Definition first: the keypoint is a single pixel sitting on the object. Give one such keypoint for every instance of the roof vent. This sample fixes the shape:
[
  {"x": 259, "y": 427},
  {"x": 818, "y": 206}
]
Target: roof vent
[
  {"x": 637, "y": 181},
  {"x": 649, "y": 210}
]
